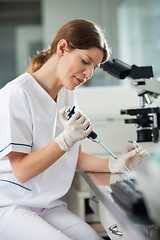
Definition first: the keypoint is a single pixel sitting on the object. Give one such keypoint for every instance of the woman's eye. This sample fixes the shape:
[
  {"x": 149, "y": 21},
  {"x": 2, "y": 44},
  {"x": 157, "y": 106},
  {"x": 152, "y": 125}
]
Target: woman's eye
[{"x": 84, "y": 62}]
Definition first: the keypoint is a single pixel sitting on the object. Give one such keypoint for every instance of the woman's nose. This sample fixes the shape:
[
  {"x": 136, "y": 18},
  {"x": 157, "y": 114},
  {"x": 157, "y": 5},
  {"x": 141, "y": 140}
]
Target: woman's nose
[{"x": 88, "y": 72}]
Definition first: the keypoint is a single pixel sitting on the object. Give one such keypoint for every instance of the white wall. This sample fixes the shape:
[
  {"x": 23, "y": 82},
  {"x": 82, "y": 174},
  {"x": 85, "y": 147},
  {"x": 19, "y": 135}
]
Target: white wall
[
  {"x": 102, "y": 106},
  {"x": 57, "y": 12},
  {"x": 139, "y": 38},
  {"x": 25, "y": 36}
]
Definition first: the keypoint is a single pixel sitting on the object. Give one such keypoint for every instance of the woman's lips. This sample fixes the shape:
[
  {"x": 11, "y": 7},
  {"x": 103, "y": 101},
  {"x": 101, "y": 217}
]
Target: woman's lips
[{"x": 80, "y": 81}]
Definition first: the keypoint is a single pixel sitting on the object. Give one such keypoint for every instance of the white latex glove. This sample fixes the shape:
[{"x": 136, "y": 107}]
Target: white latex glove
[
  {"x": 130, "y": 157},
  {"x": 77, "y": 128}
]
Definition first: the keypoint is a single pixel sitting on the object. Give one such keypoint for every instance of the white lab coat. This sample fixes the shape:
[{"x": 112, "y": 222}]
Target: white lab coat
[{"x": 29, "y": 120}]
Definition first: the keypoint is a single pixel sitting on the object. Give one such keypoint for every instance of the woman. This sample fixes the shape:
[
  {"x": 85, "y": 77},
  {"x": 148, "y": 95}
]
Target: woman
[{"x": 39, "y": 149}]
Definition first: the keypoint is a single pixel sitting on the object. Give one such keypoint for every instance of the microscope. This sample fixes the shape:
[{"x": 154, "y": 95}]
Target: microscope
[{"x": 147, "y": 117}]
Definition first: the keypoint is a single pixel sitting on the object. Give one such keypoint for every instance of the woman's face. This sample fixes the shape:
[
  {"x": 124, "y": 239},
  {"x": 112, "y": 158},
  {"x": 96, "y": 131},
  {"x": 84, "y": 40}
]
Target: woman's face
[{"x": 77, "y": 66}]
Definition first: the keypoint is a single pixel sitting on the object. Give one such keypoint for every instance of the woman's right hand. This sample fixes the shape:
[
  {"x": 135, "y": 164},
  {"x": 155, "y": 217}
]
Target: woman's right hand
[{"x": 77, "y": 128}]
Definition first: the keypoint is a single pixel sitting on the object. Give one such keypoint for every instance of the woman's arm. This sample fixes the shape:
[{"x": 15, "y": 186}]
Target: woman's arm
[
  {"x": 89, "y": 163},
  {"x": 27, "y": 166},
  {"x": 126, "y": 161}
]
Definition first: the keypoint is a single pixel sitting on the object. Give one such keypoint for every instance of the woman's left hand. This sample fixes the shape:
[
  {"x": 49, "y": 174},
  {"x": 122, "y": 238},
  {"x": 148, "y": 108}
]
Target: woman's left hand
[{"x": 130, "y": 157}]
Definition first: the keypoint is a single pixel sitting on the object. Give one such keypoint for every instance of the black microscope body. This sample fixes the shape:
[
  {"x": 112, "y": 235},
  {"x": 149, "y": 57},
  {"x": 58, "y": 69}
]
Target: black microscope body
[{"x": 147, "y": 117}]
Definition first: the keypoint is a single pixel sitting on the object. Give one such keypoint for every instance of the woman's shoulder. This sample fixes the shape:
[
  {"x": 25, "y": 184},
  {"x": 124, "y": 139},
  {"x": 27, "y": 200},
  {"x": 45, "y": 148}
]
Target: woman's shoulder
[
  {"x": 15, "y": 90},
  {"x": 22, "y": 83},
  {"x": 16, "y": 83}
]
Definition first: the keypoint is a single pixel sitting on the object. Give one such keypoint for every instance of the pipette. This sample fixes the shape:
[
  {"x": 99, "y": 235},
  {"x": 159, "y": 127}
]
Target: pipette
[{"x": 92, "y": 136}]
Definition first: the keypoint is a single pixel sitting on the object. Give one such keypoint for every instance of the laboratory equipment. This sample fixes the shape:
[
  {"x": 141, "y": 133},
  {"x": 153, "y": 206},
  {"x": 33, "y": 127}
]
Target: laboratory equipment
[
  {"x": 128, "y": 195},
  {"x": 148, "y": 179},
  {"x": 147, "y": 116},
  {"x": 148, "y": 121}
]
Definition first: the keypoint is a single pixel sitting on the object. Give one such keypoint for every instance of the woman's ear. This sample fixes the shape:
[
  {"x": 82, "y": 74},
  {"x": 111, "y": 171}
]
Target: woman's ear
[{"x": 62, "y": 47}]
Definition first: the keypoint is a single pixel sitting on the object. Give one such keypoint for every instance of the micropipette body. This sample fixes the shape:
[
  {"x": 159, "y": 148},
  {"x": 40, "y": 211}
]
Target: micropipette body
[{"x": 92, "y": 136}]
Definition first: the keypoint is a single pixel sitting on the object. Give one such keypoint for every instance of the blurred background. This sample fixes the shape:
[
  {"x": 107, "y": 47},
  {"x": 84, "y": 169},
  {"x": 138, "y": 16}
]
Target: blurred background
[{"x": 131, "y": 29}]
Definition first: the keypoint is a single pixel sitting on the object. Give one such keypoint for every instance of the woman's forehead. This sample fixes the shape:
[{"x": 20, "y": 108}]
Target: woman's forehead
[{"x": 94, "y": 54}]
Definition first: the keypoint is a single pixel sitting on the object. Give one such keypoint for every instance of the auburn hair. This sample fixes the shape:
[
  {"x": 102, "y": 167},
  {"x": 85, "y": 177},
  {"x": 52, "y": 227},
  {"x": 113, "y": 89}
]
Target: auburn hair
[{"x": 80, "y": 34}]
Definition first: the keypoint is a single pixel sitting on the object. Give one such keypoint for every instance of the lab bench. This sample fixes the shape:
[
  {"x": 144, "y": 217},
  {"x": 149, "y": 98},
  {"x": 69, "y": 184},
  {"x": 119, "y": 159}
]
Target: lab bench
[{"x": 118, "y": 223}]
